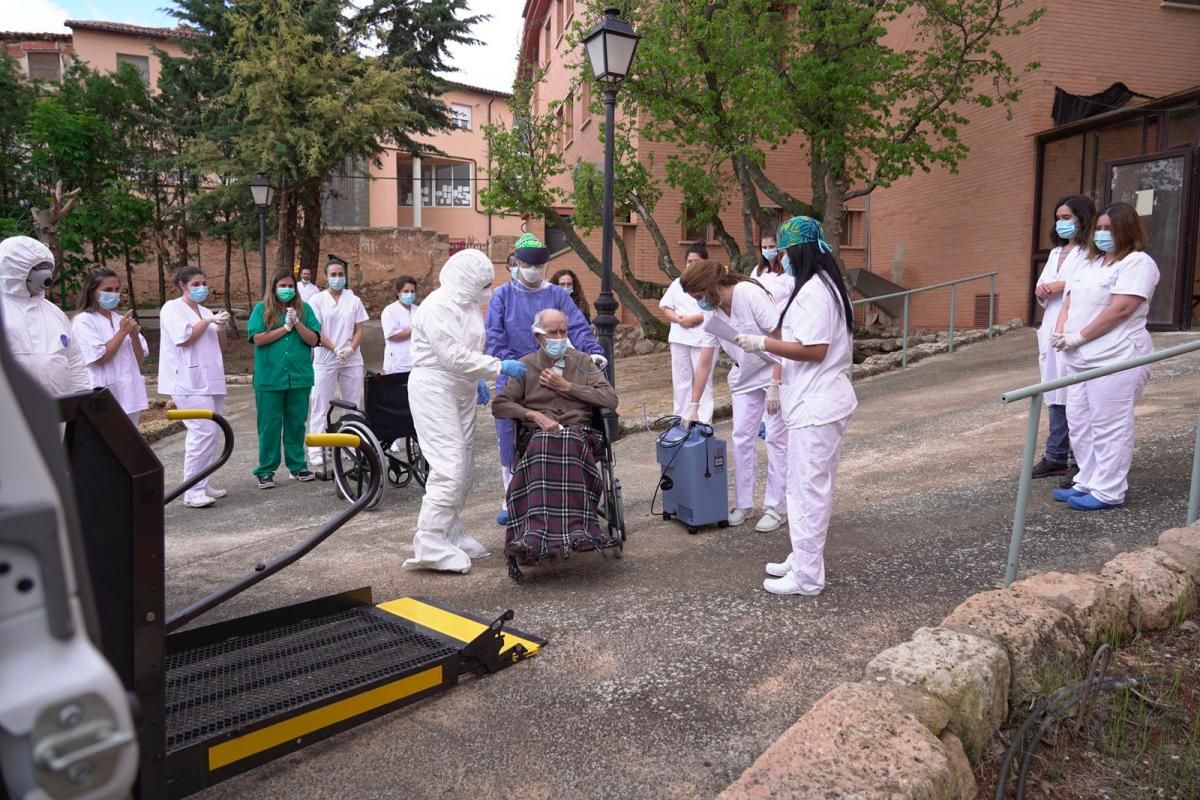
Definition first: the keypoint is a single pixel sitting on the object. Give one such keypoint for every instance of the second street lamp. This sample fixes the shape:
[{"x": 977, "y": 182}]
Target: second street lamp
[
  {"x": 261, "y": 190},
  {"x": 610, "y": 46}
]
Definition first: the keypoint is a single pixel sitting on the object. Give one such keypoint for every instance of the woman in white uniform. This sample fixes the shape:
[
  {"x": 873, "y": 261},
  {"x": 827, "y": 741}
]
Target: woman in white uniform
[
  {"x": 1102, "y": 321},
  {"x": 338, "y": 362},
  {"x": 692, "y": 351},
  {"x": 112, "y": 344},
  {"x": 745, "y": 306},
  {"x": 771, "y": 274},
  {"x": 396, "y": 321},
  {"x": 817, "y": 399},
  {"x": 1073, "y": 218},
  {"x": 191, "y": 369}
]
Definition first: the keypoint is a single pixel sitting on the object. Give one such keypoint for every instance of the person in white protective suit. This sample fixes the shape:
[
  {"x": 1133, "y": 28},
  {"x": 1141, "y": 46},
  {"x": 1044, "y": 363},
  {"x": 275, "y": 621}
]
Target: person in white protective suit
[
  {"x": 38, "y": 332},
  {"x": 448, "y": 380},
  {"x": 337, "y": 362},
  {"x": 1103, "y": 321}
]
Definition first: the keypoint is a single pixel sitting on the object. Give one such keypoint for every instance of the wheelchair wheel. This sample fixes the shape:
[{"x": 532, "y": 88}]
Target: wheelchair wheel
[
  {"x": 351, "y": 471},
  {"x": 398, "y": 472},
  {"x": 616, "y": 520},
  {"x": 416, "y": 461}
]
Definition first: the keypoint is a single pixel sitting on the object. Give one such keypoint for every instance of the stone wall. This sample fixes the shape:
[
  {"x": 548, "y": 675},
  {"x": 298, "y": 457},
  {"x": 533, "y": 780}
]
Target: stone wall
[{"x": 928, "y": 708}]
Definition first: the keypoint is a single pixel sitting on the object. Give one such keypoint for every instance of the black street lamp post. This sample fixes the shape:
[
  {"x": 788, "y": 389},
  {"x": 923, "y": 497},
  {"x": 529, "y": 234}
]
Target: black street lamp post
[
  {"x": 610, "y": 47},
  {"x": 261, "y": 189}
]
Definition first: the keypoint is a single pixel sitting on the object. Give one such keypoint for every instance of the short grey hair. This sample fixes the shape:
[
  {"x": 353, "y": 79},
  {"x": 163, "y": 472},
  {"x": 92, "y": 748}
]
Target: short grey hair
[{"x": 539, "y": 319}]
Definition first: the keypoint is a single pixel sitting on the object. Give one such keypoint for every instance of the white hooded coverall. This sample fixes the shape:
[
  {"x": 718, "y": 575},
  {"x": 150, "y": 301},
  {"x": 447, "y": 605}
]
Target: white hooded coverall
[
  {"x": 38, "y": 333},
  {"x": 448, "y": 360}
]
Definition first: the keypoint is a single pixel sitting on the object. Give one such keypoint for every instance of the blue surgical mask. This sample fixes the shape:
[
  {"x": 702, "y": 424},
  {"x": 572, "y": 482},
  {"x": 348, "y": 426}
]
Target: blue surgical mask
[
  {"x": 1066, "y": 229},
  {"x": 786, "y": 263},
  {"x": 108, "y": 300},
  {"x": 568, "y": 289},
  {"x": 514, "y": 273},
  {"x": 198, "y": 294},
  {"x": 1104, "y": 241},
  {"x": 408, "y": 298},
  {"x": 337, "y": 284},
  {"x": 769, "y": 253},
  {"x": 555, "y": 348},
  {"x": 704, "y": 304}
]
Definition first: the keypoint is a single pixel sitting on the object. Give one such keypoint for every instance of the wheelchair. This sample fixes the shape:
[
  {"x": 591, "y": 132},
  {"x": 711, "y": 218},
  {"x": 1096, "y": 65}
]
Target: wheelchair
[
  {"x": 611, "y": 509},
  {"x": 386, "y": 425}
]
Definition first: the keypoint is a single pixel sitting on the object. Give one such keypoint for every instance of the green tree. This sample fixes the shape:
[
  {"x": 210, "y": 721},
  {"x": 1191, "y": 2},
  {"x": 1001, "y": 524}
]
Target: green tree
[{"x": 20, "y": 95}]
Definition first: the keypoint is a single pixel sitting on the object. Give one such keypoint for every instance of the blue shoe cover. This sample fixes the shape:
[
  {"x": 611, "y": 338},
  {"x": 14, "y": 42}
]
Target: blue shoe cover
[
  {"x": 1066, "y": 495},
  {"x": 1089, "y": 503}
]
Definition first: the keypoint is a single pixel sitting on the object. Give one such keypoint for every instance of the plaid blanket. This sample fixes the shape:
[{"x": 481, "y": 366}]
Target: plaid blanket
[{"x": 553, "y": 497}]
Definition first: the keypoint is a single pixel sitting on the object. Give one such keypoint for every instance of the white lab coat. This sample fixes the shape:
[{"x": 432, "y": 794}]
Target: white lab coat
[
  {"x": 779, "y": 284},
  {"x": 1100, "y": 411},
  {"x": 332, "y": 379},
  {"x": 686, "y": 344},
  {"x": 752, "y": 310},
  {"x": 121, "y": 374},
  {"x": 448, "y": 359},
  {"x": 38, "y": 333},
  {"x": 818, "y": 402},
  {"x": 1050, "y": 361},
  {"x": 194, "y": 377},
  {"x": 397, "y": 356},
  {"x": 307, "y": 291}
]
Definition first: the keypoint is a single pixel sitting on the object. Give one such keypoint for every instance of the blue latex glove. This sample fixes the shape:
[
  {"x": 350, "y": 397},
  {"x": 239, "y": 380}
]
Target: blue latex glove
[
  {"x": 482, "y": 395},
  {"x": 512, "y": 368}
]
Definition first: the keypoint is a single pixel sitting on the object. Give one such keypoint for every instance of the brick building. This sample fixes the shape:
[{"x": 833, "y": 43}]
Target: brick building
[{"x": 993, "y": 214}]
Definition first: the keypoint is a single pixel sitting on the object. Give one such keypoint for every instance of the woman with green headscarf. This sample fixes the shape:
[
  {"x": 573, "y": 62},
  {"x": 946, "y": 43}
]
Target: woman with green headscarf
[
  {"x": 817, "y": 400},
  {"x": 284, "y": 331}
]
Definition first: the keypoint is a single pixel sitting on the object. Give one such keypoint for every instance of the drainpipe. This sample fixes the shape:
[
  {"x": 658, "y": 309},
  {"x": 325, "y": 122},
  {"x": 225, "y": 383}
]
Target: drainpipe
[{"x": 416, "y": 171}]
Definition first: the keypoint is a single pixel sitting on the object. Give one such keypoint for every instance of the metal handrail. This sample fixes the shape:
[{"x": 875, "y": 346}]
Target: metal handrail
[
  {"x": 226, "y": 451},
  {"x": 1035, "y": 393},
  {"x": 866, "y": 301}
]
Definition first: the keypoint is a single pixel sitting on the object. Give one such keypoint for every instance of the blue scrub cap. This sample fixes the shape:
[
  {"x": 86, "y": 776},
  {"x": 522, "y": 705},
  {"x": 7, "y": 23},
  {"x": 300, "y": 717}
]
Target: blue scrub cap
[{"x": 802, "y": 230}]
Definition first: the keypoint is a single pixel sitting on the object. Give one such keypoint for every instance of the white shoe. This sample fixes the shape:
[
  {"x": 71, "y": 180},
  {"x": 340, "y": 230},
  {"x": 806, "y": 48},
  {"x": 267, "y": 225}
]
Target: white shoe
[
  {"x": 787, "y": 585},
  {"x": 215, "y": 493},
  {"x": 770, "y": 521},
  {"x": 777, "y": 569},
  {"x": 395, "y": 449},
  {"x": 316, "y": 460},
  {"x": 737, "y": 516},
  {"x": 201, "y": 502}
]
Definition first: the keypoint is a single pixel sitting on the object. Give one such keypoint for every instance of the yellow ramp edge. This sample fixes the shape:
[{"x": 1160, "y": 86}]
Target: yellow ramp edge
[
  {"x": 250, "y": 744},
  {"x": 449, "y": 623}
]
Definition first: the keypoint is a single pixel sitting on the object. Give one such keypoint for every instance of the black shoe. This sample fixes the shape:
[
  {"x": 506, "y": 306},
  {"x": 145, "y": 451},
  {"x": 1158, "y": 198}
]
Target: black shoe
[
  {"x": 1044, "y": 468},
  {"x": 303, "y": 476},
  {"x": 267, "y": 482},
  {"x": 1069, "y": 481}
]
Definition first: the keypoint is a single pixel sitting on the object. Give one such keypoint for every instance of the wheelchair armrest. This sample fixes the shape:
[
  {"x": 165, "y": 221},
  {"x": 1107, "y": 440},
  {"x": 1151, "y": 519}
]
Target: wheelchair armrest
[
  {"x": 606, "y": 420},
  {"x": 343, "y": 405}
]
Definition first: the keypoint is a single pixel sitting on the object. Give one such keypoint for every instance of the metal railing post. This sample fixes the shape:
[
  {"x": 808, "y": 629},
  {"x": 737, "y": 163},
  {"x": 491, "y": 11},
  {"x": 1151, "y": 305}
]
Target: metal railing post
[
  {"x": 1194, "y": 494},
  {"x": 1018, "y": 528},
  {"x": 991, "y": 304},
  {"x": 953, "y": 294},
  {"x": 904, "y": 354}
]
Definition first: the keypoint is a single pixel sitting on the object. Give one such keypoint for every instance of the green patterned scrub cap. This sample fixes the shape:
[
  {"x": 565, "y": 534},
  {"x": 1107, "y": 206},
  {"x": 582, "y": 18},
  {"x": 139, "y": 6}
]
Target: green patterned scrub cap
[
  {"x": 802, "y": 230},
  {"x": 530, "y": 249}
]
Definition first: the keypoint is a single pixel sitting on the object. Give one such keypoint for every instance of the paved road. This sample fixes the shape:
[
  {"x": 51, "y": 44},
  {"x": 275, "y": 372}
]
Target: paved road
[{"x": 668, "y": 672}]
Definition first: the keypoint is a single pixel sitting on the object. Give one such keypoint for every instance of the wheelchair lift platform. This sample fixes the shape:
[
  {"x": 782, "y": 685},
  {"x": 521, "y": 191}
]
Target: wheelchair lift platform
[{"x": 250, "y": 690}]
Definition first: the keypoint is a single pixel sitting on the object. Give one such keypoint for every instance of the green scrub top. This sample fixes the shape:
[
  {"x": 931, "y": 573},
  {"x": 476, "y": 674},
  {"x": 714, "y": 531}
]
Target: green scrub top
[{"x": 285, "y": 363}]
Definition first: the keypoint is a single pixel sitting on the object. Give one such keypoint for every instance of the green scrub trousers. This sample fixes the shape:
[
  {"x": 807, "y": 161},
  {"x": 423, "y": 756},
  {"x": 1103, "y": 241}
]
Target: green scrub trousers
[{"x": 283, "y": 380}]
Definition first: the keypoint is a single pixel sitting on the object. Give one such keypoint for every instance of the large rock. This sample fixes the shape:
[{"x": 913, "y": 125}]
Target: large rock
[
  {"x": 1163, "y": 592},
  {"x": 1043, "y": 649},
  {"x": 1183, "y": 545},
  {"x": 1098, "y": 607},
  {"x": 968, "y": 673},
  {"x": 856, "y": 742}
]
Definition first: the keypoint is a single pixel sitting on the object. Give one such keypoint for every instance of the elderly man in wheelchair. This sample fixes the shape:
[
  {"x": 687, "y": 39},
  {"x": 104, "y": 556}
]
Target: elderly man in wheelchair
[{"x": 558, "y": 482}]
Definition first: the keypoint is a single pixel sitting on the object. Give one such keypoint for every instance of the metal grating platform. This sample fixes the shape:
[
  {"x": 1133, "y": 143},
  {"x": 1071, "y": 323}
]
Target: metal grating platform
[{"x": 228, "y": 685}]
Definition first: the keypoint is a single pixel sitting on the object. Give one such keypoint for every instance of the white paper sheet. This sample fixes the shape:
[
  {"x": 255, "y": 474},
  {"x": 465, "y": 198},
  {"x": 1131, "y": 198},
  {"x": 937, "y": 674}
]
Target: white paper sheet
[{"x": 723, "y": 330}]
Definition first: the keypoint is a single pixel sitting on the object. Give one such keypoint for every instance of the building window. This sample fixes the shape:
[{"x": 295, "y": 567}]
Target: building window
[
  {"x": 444, "y": 185},
  {"x": 570, "y": 9},
  {"x": 45, "y": 66},
  {"x": 461, "y": 116},
  {"x": 569, "y": 120},
  {"x": 549, "y": 43},
  {"x": 558, "y": 17},
  {"x": 585, "y": 101},
  {"x": 556, "y": 238},
  {"x": 694, "y": 231},
  {"x": 140, "y": 63},
  {"x": 562, "y": 127},
  {"x": 347, "y": 196}
]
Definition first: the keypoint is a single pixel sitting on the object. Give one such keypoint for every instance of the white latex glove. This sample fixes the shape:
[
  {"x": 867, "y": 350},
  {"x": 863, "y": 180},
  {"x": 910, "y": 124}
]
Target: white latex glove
[
  {"x": 342, "y": 354},
  {"x": 221, "y": 318},
  {"x": 773, "y": 398},
  {"x": 1067, "y": 341},
  {"x": 290, "y": 319},
  {"x": 751, "y": 343},
  {"x": 600, "y": 361},
  {"x": 691, "y": 415}
]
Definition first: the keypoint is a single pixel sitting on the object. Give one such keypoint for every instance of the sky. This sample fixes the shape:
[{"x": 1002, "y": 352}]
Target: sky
[{"x": 491, "y": 65}]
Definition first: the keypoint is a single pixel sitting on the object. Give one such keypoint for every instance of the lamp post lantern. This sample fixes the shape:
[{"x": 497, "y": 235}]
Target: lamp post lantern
[
  {"x": 610, "y": 46},
  {"x": 261, "y": 190}
]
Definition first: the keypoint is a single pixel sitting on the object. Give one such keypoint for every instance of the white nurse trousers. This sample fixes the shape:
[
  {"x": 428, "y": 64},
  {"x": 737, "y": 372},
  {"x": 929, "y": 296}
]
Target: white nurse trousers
[
  {"x": 685, "y": 360},
  {"x": 1100, "y": 416},
  {"x": 202, "y": 445},
  {"x": 748, "y": 410},
  {"x": 332, "y": 381},
  {"x": 813, "y": 453}
]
